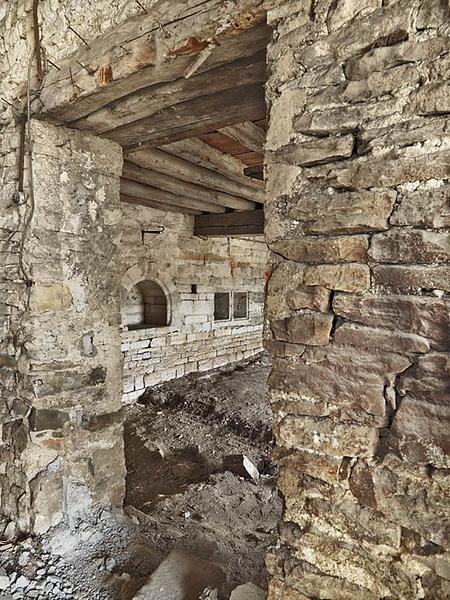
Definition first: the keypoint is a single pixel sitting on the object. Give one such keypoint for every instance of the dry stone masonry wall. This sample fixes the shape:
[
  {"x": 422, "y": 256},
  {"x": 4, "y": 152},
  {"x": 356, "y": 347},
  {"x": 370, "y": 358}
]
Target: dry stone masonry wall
[
  {"x": 357, "y": 217},
  {"x": 190, "y": 270},
  {"x": 61, "y": 363}
]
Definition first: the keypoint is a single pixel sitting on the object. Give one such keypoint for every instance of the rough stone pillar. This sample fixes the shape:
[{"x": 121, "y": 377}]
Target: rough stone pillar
[
  {"x": 357, "y": 217},
  {"x": 62, "y": 433}
]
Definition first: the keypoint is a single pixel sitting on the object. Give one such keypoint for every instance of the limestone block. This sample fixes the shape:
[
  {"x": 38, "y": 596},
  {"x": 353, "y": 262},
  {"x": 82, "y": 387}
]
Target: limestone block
[
  {"x": 324, "y": 435},
  {"x": 313, "y": 297},
  {"x": 50, "y": 298},
  {"x": 344, "y": 118},
  {"x": 420, "y": 432},
  {"x": 399, "y": 278},
  {"x": 310, "y": 249},
  {"x": 344, "y": 382},
  {"x": 427, "y": 317},
  {"x": 424, "y": 208},
  {"x": 410, "y": 246},
  {"x": 348, "y": 278},
  {"x": 317, "y": 151},
  {"x": 344, "y": 11},
  {"x": 284, "y": 108},
  {"x": 400, "y": 488},
  {"x": 328, "y": 212},
  {"x": 383, "y": 339},
  {"x": 306, "y": 328},
  {"x": 389, "y": 172},
  {"x": 386, "y": 57},
  {"x": 432, "y": 99}
]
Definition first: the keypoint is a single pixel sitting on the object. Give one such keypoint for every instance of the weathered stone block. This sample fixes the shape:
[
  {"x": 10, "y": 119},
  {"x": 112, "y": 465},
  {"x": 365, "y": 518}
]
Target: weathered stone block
[
  {"x": 410, "y": 246},
  {"x": 321, "y": 249},
  {"x": 304, "y": 296},
  {"x": 345, "y": 383},
  {"x": 427, "y": 317},
  {"x": 306, "y": 328},
  {"x": 329, "y": 212},
  {"x": 348, "y": 278},
  {"x": 50, "y": 298},
  {"x": 324, "y": 435},
  {"x": 387, "y": 57},
  {"x": 420, "y": 432},
  {"x": 432, "y": 99},
  {"x": 383, "y": 339},
  {"x": 317, "y": 151},
  {"x": 424, "y": 208},
  {"x": 399, "y": 278},
  {"x": 393, "y": 170}
]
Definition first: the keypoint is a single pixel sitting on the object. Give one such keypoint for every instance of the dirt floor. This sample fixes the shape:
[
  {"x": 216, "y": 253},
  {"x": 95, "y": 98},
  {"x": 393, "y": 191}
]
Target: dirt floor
[
  {"x": 181, "y": 495},
  {"x": 183, "y": 441}
]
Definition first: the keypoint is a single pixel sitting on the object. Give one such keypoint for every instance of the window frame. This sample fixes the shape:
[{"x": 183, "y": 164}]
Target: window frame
[
  {"x": 229, "y": 318},
  {"x": 247, "y": 301}
]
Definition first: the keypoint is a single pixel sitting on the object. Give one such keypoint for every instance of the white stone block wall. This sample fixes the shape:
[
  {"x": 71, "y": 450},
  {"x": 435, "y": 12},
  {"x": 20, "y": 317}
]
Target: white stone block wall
[{"x": 177, "y": 260}]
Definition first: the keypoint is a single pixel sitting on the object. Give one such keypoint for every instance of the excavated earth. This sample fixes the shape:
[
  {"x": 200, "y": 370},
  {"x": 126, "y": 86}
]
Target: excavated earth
[{"x": 186, "y": 491}]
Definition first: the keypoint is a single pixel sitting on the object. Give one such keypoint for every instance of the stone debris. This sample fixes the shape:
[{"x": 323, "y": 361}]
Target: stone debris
[
  {"x": 248, "y": 592},
  {"x": 181, "y": 577},
  {"x": 241, "y": 465}
]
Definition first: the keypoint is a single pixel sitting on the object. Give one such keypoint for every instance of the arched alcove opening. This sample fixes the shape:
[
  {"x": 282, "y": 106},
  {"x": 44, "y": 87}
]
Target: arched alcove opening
[{"x": 146, "y": 305}]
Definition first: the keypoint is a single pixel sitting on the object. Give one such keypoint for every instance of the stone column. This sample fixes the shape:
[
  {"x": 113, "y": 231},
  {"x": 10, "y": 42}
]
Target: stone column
[
  {"x": 66, "y": 342},
  {"x": 357, "y": 217}
]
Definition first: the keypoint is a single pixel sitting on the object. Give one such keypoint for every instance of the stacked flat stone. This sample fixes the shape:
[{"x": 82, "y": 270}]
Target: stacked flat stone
[{"x": 357, "y": 217}]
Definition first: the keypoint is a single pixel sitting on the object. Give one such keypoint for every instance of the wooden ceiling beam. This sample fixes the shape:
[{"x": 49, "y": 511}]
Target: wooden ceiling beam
[
  {"x": 158, "y": 205},
  {"x": 152, "y": 48},
  {"x": 151, "y": 100},
  {"x": 139, "y": 190},
  {"x": 193, "y": 117},
  {"x": 248, "y": 134},
  {"x": 152, "y": 158},
  {"x": 249, "y": 222},
  {"x": 200, "y": 153},
  {"x": 183, "y": 188}
]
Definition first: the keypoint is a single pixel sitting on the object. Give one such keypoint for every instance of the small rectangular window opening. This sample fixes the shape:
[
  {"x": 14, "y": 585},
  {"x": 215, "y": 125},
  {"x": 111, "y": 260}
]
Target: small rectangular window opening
[
  {"x": 221, "y": 306},
  {"x": 240, "y": 305},
  {"x": 194, "y": 288}
]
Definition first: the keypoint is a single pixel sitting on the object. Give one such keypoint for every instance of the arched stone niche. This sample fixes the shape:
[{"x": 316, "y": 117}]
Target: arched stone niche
[{"x": 148, "y": 301}]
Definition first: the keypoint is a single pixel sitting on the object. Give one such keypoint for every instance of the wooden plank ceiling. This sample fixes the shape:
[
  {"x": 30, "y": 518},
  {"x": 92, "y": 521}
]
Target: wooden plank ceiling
[{"x": 189, "y": 132}]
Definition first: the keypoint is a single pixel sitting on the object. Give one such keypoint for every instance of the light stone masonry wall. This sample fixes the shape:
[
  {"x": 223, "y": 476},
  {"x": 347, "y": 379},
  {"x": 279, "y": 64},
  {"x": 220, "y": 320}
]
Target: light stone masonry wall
[
  {"x": 357, "y": 218},
  {"x": 176, "y": 259},
  {"x": 60, "y": 357}
]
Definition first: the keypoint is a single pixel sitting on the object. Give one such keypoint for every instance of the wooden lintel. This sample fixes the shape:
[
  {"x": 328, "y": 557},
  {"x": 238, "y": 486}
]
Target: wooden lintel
[
  {"x": 148, "y": 49},
  {"x": 249, "y": 222},
  {"x": 154, "y": 99},
  {"x": 194, "y": 117}
]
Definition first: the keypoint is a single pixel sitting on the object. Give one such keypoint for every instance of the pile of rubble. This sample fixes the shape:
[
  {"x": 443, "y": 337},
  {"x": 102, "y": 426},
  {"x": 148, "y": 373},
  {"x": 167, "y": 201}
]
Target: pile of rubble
[{"x": 201, "y": 507}]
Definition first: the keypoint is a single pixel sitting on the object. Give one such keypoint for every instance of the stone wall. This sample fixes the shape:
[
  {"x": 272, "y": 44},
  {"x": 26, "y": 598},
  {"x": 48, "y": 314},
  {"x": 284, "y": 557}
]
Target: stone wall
[
  {"x": 61, "y": 363},
  {"x": 358, "y": 161},
  {"x": 177, "y": 260}
]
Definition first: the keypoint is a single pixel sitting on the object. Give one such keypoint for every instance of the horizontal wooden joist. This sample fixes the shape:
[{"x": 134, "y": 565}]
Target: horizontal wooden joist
[
  {"x": 194, "y": 117},
  {"x": 146, "y": 192},
  {"x": 148, "y": 101},
  {"x": 157, "y": 160},
  {"x": 158, "y": 205},
  {"x": 248, "y": 134},
  {"x": 249, "y": 222},
  {"x": 151, "y": 48},
  {"x": 183, "y": 188},
  {"x": 200, "y": 153}
]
